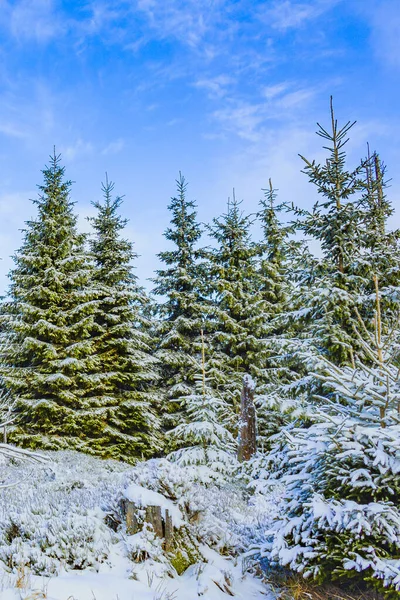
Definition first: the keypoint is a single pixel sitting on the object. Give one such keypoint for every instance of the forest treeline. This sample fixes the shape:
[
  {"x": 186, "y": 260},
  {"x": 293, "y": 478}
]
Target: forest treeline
[{"x": 92, "y": 362}]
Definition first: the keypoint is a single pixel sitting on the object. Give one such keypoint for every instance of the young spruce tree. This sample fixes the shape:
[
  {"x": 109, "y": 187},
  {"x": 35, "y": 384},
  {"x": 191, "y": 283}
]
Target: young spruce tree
[
  {"x": 205, "y": 444},
  {"x": 340, "y": 516},
  {"x": 325, "y": 298},
  {"x": 127, "y": 371},
  {"x": 381, "y": 248}
]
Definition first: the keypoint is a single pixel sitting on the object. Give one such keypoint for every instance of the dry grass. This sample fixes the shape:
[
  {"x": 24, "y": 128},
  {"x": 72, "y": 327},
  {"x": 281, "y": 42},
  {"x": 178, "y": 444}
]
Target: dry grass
[
  {"x": 22, "y": 580},
  {"x": 23, "y": 583},
  {"x": 296, "y": 588}
]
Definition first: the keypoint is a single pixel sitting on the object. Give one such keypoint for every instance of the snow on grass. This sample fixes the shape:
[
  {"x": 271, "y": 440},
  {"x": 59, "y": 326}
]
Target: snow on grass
[{"x": 62, "y": 535}]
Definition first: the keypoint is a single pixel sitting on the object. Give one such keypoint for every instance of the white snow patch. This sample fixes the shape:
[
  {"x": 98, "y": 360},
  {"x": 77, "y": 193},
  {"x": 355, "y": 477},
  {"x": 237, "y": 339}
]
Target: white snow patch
[{"x": 143, "y": 497}]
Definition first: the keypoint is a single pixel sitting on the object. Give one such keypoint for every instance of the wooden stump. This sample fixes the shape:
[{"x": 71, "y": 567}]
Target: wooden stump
[
  {"x": 154, "y": 518},
  {"x": 162, "y": 527},
  {"x": 178, "y": 543},
  {"x": 132, "y": 525},
  {"x": 168, "y": 532},
  {"x": 247, "y": 426}
]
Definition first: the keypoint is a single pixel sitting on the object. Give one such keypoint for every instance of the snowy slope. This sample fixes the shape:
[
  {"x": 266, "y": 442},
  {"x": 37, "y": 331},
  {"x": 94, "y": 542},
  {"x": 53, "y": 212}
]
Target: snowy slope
[{"x": 56, "y": 542}]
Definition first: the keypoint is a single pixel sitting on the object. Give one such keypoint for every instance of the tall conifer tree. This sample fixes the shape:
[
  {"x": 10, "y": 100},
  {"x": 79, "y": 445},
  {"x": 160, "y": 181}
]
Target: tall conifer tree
[
  {"x": 240, "y": 305},
  {"x": 49, "y": 356},
  {"x": 331, "y": 290},
  {"x": 276, "y": 256},
  {"x": 184, "y": 307},
  {"x": 127, "y": 371}
]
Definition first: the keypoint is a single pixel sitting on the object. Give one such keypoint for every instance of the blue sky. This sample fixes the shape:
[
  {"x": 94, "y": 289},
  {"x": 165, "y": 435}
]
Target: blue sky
[{"x": 227, "y": 91}]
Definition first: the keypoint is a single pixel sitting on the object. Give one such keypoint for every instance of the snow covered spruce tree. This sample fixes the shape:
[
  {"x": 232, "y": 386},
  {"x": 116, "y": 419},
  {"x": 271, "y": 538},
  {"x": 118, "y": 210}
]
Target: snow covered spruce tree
[
  {"x": 325, "y": 298},
  {"x": 49, "y": 318},
  {"x": 381, "y": 255},
  {"x": 205, "y": 445},
  {"x": 276, "y": 255},
  {"x": 184, "y": 307},
  {"x": 127, "y": 371},
  {"x": 272, "y": 251},
  {"x": 240, "y": 309},
  {"x": 340, "y": 515}
]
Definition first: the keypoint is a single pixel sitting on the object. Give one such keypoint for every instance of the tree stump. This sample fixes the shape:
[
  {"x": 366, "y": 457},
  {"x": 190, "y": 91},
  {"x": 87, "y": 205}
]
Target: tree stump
[
  {"x": 247, "y": 424},
  {"x": 178, "y": 543},
  {"x": 162, "y": 527},
  {"x": 154, "y": 518},
  {"x": 168, "y": 532},
  {"x": 132, "y": 525}
]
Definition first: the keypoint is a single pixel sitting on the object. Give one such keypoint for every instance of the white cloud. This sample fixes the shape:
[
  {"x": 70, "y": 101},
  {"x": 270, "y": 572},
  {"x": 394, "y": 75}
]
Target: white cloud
[
  {"x": 384, "y": 20},
  {"x": 35, "y": 19},
  {"x": 113, "y": 147},
  {"x": 26, "y": 108},
  {"x": 296, "y": 99},
  {"x": 242, "y": 118},
  {"x": 201, "y": 26},
  {"x": 289, "y": 14},
  {"x": 215, "y": 86},
  {"x": 272, "y": 91},
  {"x": 76, "y": 150},
  {"x": 182, "y": 20},
  {"x": 250, "y": 120},
  {"x": 10, "y": 129},
  {"x": 45, "y": 20}
]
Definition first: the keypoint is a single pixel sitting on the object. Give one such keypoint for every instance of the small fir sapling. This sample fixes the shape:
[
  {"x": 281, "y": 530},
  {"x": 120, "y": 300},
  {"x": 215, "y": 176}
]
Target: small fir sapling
[{"x": 205, "y": 444}]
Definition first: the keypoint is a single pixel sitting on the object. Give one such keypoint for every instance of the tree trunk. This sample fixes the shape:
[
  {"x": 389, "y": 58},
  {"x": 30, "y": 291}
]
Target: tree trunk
[{"x": 247, "y": 423}]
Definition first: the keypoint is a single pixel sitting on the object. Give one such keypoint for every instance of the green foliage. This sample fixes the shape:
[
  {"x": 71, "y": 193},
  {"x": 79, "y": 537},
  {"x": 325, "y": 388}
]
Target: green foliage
[
  {"x": 276, "y": 256},
  {"x": 205, "y": 445},
  {"x": 381, "y": 255},
  {"x": 339, "y": 516},
  {"x": 273, "y": 252},
  {"x": 49, "y": 354},
  {"x": 327, "y": 285},
  {"x": 184, "y": 306},
  {"x": 127, "y": 371},
  {"x": 239, "y": 303}
]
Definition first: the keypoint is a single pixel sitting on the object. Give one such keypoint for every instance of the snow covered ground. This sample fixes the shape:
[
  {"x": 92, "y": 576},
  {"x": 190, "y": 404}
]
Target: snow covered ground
[
  {"x": 217, "y": 579},
  {"x": 60, "y": 538}
]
